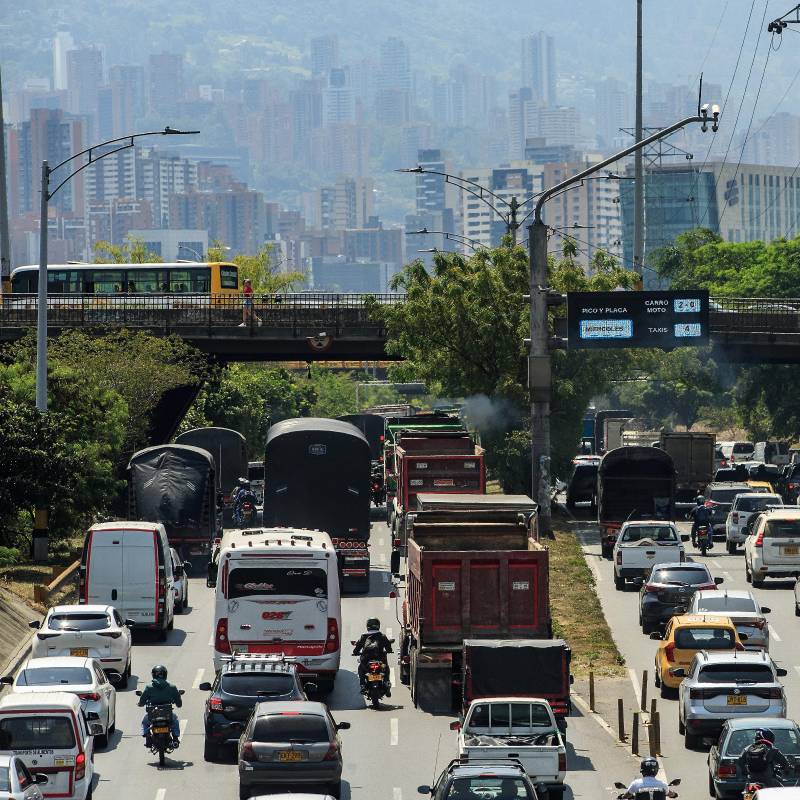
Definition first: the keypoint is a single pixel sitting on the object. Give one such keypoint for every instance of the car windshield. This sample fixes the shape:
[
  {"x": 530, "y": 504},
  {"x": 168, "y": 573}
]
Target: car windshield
[
  {"x": 736, "y": 673},
  {"x": 723, "y": 603},
  {"x": 487, "y": 788},
  {"x": 783, "y": 528},
  {"x": 47, "y": 676},
  {"x": 258, "y": 684},
  {"x": 787, "y": 740},
  {"x": 687, "y": 575},
  {"x": 724, "y": 495},
  {"x": 657, "y": 533},
  {"x": 507, "y": 716},
  {"x": 760, "y": 503},
  {"x": 78, "y": 622},
  {"x": 743, "y": 447},
  {"x": 291, "y": 727},
  {"x": 248, "y": 581},
  {"x": 37, "y": 732},
  {"x": 5, "y": 779},
  {"x": 704, "y": 639}
]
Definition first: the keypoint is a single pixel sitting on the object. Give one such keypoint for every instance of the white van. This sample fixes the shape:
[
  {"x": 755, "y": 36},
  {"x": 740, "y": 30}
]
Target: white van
[
  {"x": 278, "y": 592},
  {"x": 50, "y": 732},
  {"x": 128, "y": 565}
]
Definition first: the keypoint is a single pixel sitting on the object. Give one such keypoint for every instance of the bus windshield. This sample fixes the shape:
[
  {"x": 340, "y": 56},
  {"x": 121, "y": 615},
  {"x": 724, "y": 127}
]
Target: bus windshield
[{"x": 277, "y": 581}]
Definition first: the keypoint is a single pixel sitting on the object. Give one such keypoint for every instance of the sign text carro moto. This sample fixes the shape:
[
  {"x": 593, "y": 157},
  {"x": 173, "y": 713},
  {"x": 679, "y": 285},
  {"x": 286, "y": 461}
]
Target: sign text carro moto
[{"x": 637, "y": 319}]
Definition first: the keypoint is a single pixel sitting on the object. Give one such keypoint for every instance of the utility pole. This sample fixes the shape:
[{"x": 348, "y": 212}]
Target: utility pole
[
  {"x": 5, "y": 239},
  {"x": 638, "y": 187}
]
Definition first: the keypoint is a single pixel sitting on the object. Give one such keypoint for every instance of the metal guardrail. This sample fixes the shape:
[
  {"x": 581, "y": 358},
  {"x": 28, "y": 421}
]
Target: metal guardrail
[{"x": 754, "y": 315}]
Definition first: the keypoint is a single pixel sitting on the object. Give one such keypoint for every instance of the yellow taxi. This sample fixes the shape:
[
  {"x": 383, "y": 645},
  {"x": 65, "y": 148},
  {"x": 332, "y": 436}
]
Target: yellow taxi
[
  {"x": 764, "y": 487},
  {"x": 686, "y": 635}
]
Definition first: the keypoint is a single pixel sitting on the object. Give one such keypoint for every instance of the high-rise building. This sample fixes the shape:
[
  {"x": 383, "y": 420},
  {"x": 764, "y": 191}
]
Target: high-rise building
[
  {"x": 84, "y": 79},
  {"x": 777, "y": 143},
  {"x": 338, "y": 99},
  {"x": 112, "y": 220},
  {"x": 165, "y": 82},
  {"x": 129, "y": 80},
  {"x": 173, "y": 245},
  {"x": 324, "y": 54},
  {"x": 349, "y": 203},
  {"x": 612, "y": 111},
  {"x": 159, "y": 175},
  {"x": 392, "y": 106},
  {"x": 112, "y": 178},
  {"x": 341, "y": 149},
  {"x": 395, "y": 68},
  {"x": 306, "y": 103},
  {"x": 62, "y": 44},
  {"x": 518, "y": 102},
  {"x": 558, "y": 125},
  {"x": 539, "y": 66},
  {"x": 434, "y": 192},
  {"x": 374, "y": 243}
]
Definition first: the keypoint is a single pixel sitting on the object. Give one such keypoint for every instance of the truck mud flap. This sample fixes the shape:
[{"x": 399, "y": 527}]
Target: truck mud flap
[{"x": 432, "y": 681}]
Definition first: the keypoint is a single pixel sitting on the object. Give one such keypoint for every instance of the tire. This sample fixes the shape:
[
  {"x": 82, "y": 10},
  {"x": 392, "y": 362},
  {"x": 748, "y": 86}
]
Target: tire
[
  {"x": 681, "y": 727},
  {"x": 335, "y": 789},
  {"x": 797, "y": 610},
  {"x": 712, "y": 792},
  {"x": 210, "y": 751},
  {"x": 101, "y": 742},
  {"x": 748, "y": 576},
  {"x": 171, "y": 622},
  {"x": 619, "y": 583},
  {"x": 244, "y": 792},
  {"x": 160, "y": 758},
  {"x": 657, "y": 678},
  {"x": 375, "y": 701},
  {"x": 647, "y": 627},
  {"x": 757, "y": 582},
  {"x": 666, "y": 692},
  {"x": 123, "y": 684},
  {"x": 89, "y": 794},
  {"x": 555, "y": 793},
  {"x": 185, "y": 602},
  {"x": 732, "y": 550},
  {"x": 689, "y": 740},
  {"x": 162, "y": 634}
]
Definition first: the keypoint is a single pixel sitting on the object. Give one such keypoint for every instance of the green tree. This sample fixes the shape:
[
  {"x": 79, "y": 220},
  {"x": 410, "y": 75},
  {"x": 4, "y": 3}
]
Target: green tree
[
  {"x": 261, "y": 268},
  {"x": 133, "y": 251},
  {"x": 335, "y": 392}
]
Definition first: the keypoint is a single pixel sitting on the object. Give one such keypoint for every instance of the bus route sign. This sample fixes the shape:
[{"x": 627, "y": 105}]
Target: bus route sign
[{"x": 598, "y": 320}]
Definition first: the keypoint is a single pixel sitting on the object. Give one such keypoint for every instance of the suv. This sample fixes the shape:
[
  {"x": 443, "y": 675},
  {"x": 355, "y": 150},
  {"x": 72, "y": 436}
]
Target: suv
[
  {"x": 290, "y": 743},
  {"x": 642, "y": 545},
  {"x": 737, "y": 451},
  {"x": 721, "y": 686},
  {"x": 488, "y": 778},
  {"x": 243, "y": 681},
  {"x": 582, "y": 485},
  {"x": 719, "y": 500},
  {"x": 744, "y": 506},
  {"x": 790, "y": 483},
  {"x": 772, "y": 550},
  {"x": 668, "y": 591}
]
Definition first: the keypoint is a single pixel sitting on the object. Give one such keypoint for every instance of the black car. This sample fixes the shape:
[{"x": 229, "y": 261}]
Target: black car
[
  {"x": 582, "y": 486},
  {"x": 668, "y": 591},
  {"x": 719, "y": 499},
  {"x": 501, "y": 779},
  {"x": 241, "y": 683},
  {"x": 790, "y": 483}
]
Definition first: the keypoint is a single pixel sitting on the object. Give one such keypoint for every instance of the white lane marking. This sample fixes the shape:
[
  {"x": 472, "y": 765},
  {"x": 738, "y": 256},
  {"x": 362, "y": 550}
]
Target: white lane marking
[
  {"x": 727, "y": 576},
  {"x": 637, "y": 689},
  {"x": 397, "y": 793},
  {"x": 386, "y": 604},
  {"x": 394, "y": 731},
  {"x": 211, "y": 640},
  {"x": 773, "y": 633},
  {"x": 161, "y": 794},
  {"x": 182, "y": 726},
  {"x": 385, "y": 576},
  {"x": 798, "y": 670},
  {"x": 198, "y": 678},
  {"x": 391, "y": 676},
  {"x": 598, "y": 576},
  {"x": 715, "y": 563}
]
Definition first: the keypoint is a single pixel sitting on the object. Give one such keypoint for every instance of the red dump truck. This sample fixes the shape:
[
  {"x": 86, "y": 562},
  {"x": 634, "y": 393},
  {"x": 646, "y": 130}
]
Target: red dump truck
[
  {"x": 469, "y": 575},
  {"x": 433, "y": 462}
]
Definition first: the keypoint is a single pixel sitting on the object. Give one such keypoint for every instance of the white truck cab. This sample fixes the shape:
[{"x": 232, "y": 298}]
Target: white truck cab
[{"x": 642, "y": 544}]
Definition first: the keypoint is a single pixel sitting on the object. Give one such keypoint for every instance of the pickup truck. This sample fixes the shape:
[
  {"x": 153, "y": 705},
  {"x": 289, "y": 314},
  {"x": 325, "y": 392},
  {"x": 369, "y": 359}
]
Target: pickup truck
[
  {"x": 523, "y": 729},
  {"x": 641, "y": 545}
]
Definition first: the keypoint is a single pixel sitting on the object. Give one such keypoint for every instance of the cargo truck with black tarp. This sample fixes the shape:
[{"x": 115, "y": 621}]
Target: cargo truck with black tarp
[
  {"x": 471, "y": 574},
  {"x": 633, "y": 483},
  {"x": 317, "y": 476},
  {"x": 175, "y": 485}
]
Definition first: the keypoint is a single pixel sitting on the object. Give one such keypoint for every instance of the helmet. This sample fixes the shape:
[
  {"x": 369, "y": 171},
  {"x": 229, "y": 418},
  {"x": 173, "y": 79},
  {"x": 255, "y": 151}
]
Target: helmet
[
  {"x": 649, "y": 767},
  {"x": 700, "y": 500},
  {"x": 373, "y": 624},
  {"x": 159, "y": 671},
  {"x": 243, "y": 482},
  {"x": 765, "y": 734}
]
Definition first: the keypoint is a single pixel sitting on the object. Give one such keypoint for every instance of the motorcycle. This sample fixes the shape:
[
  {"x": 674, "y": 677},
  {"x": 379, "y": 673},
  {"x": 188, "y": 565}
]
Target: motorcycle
[
  {"x": 247, "y": 513},
  {"x": 704, "y": 537},
  {"x": 376, "y": 681},
  {"x": 377, "y": 491},
  {"x": 751, "y": 786},
  {"x": 647, "y": 794},
  {"x": 161, "y": 741}
]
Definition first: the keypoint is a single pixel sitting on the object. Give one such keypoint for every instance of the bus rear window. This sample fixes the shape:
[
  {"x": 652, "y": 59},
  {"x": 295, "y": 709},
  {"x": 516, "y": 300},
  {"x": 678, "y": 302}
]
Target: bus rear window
[
  {"x": 229, "y": 277},
  {"x": 277, "y": 581}
]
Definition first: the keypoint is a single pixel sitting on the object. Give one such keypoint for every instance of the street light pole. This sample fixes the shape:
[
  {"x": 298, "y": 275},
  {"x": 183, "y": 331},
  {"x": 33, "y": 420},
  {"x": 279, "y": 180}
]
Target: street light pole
[{"x": 539, "y": 361}]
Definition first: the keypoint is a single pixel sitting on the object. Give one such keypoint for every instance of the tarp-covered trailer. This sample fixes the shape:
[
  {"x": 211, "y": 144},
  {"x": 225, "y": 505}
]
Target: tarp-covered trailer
[{"x": 372, "y": 426}]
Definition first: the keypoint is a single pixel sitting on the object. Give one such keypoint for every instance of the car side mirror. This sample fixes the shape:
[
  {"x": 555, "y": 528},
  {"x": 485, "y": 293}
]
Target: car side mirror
[
  {"x": 455, "y": 726},
  {"x": 138, "y": 692},
  {"x": 618, "y": 785},
  {"x": 743, "y": 637},
  {"x": 9, "y": 679},
  {"x": 181, "y": 691},
  {"x": 96, "y": 729},
  {"x": 205, "y": 686},
  {"x": 129, "y": 623},
  {"x": 656, "y": 636},
  {"x": 765, "y": 610},
  {"x": 424, "y": 789},
  {"x": 114, "y": 677},
  {"x": 719, "y": 581},
  {"x": 675, "y": 782},
  {"x": 781, "y": 672},
  {"x": 678, "y": 672},
  {"x": 685, "y": 537},
  {"x": 35, "y": 624},
  {"x": 92, "y": 716},
  {"x": 310, "y": 686},
  {"x": 342, "y": 726},
  {"x": 40, "y": 779},
  {"x": 394, "y": 562}
]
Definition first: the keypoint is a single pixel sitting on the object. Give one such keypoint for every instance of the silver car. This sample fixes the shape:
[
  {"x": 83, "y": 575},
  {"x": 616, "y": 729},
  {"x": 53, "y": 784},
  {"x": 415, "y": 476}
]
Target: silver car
[
  {"x": 744, "y": 611},
  {"x": 293, "y": 744},
  {"x": 722, "y": 686},
  {"x": 17, "y": 782}
]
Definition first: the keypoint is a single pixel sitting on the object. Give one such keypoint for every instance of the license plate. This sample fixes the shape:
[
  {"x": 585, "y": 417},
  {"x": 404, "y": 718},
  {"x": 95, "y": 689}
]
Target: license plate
[
  {"x": 290, "y": 755},
  {"x": 790, "y": 551},
  {"x": 374, "y": 677},
  {"x": 160, "y": 730},
  {"x": 737, "y": 699},
  {"x": 80, "y": 652}
]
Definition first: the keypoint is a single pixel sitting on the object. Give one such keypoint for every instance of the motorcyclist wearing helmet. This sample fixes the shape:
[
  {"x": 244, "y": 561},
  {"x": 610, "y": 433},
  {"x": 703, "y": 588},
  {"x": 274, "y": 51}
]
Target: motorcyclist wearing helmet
[
  {"x": 160, "y": 692},
  {"x": 701, "y": 516},
  {"x": 242, "y": 494},
  {"x": 373, "y": 645},
  {"x": 649, "y": 770},
  {"x": 761, "y": 760}
]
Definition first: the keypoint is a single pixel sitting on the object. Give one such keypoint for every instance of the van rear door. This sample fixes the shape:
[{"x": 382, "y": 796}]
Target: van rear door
[
  {"x": 104, "y": 568},
  {"x": 140, "y": 577}
]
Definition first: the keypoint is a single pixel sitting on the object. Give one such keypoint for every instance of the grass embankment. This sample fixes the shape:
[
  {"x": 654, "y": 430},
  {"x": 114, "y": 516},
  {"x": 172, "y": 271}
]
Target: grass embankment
[
  {"x": 21, "y": 578},
  {"x": 577, "y": 614}
]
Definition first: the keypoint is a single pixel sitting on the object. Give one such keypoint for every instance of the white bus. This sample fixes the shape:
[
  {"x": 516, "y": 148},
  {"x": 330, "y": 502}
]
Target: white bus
[{"x": 277, "y": 591}]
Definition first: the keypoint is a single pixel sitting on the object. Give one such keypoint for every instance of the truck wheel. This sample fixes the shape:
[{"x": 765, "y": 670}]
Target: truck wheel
[
  {"x": 555, "y": 793},
  {"x": 570, "y": 503},
  {"x": 731, "y": 547},
  {"x": 619, "y": 582},
  {"x": 758, "y": 580}
]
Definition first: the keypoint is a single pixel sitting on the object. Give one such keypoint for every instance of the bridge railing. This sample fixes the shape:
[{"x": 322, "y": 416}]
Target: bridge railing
[
  {"x": 300, "y": 312},
  {"x": 754, "y": 315}
]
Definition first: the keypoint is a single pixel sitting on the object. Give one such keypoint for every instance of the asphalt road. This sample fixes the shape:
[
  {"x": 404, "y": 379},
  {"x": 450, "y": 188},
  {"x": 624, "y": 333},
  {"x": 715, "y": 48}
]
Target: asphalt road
[
  {"x": 621, "y": 611},
  {"x": 387, "y": 753}
]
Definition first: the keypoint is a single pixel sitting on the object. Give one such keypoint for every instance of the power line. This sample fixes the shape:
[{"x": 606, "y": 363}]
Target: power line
[{"x": 714, "y": 37}]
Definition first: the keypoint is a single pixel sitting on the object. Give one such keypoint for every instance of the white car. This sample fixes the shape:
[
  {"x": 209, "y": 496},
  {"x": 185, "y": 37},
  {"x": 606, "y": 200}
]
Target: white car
[
  {"x": 17, "y": 782},
  {"x": 745, "y": 612},
  {"x": 743, "y": 507},
  {"x": 181, "y": 585},
  {"x": 772, "y": 550},
  {"x": 81, "y": 676},
  {"x": 86, "y": 632},
  {"x": 643, "y": 544}
]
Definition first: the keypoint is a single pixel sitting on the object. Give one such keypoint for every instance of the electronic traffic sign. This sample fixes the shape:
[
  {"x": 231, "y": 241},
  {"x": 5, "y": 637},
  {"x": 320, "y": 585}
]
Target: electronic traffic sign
[{"x": 666, "y": 320}]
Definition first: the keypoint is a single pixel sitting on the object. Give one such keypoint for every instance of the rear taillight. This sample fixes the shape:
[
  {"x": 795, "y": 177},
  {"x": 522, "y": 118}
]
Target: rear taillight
[
  {"x": 735, "y": 517},
  {"x": 703, "y": 586},
  {"x": 793, "y": 486},
  {"x": 738, "y": 646},
  {"x": 83, "y": 592},
  {"x": 775, "y": 694},
  {"x": 93, "y": 696},
  {"x": 248, "y": 754},
  {"x": 562, "y": 762},
  {"x": 162, "y": 587},
  {"x": 80, "y": 766},
  {"x": 110, "y": 634},
  {"x": 221, "y": 642},
  {"x": 215, "y": 704},
  {"x": 759, "y": 623},
  {"x": 619, "y": 557},
  {"x": 333, "y": 752},
  {"x": 759, "y": 542},
  {"x": 726, "y": 771},
  {"x": 696, "y": 694},
  {"x": 669, "y": 652},
  {"x": 650, "y": 588},
  {"x": 332, "y": 639}
]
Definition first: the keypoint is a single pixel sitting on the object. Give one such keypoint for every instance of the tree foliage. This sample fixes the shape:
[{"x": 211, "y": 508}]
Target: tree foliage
[
  {"x": 132, "y": 251},
  {"x": 262, "y": 269}
]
